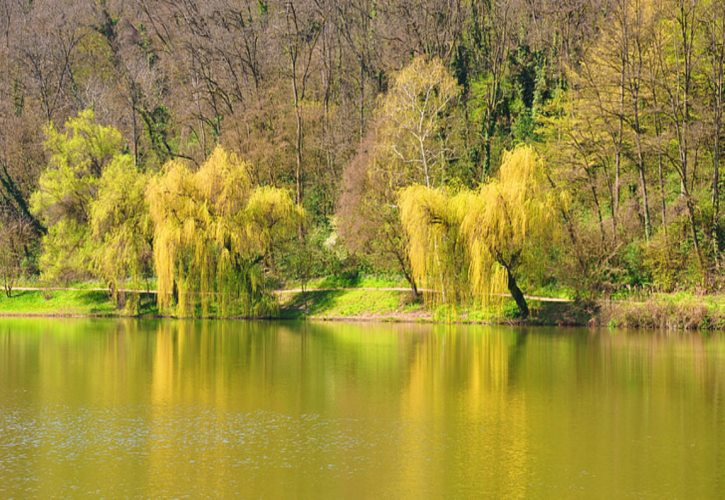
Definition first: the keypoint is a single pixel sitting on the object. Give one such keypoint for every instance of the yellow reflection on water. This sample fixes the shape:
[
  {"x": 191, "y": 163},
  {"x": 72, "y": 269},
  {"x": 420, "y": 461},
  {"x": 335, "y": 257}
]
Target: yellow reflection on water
[{"x": 170, "y": 408}]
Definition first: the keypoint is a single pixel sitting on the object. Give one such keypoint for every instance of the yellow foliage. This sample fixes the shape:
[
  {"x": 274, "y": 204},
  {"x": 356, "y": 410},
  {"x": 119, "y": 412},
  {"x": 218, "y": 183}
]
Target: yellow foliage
[
  {"x": 508, "y": 217},
  {"x": 465, "y": 244},
  {"x": 120, "y": 223},
  {"x": 212, "y": 228},
  {"x": 414, "y": 118},
  {"x": 437, "y": 253}
]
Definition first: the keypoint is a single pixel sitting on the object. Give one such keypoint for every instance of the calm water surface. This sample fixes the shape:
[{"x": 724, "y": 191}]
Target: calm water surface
[{"x": 173, "y": 409}]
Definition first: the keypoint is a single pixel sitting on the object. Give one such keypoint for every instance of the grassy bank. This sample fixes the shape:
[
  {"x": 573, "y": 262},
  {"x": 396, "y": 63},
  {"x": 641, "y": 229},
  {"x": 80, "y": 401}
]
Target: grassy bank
[
  {"x": 66, "y": 303},
  {"x": 367, "y": 303},
  {"x": 669, "y": 312}
]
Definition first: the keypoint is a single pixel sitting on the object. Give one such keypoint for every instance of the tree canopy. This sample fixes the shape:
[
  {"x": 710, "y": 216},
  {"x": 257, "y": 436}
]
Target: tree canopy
[
  {"x": 120, "y": 225},
  {"x": 66, "y": 191},
  {"x": 212, "y": 231},
  {"x": 479, "y": 243},
  {"x": 346, "y": 103}
]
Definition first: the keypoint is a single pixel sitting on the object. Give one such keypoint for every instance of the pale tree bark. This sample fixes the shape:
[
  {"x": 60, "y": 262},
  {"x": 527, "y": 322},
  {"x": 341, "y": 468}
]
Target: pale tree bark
[
  {"x": 715, "y": 53},
  {"x": 635, "y": 83},
  {"x": 679, "y": 93},
  {"x": 619, "y": 143},
  {"x": 300, "y": 49}
]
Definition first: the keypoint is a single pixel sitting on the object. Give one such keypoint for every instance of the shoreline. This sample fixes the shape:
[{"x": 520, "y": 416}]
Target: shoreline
[
  {"x": 393, "y": 305},
  {"x": 595, "y": 322}
]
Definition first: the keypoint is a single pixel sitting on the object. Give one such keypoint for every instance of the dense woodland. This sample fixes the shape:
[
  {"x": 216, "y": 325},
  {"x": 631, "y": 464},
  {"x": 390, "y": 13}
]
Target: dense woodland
[{"x": 225, "y": 147}]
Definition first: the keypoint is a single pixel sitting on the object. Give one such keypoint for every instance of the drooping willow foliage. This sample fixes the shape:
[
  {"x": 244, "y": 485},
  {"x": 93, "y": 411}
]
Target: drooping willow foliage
[
  {"x": 436, "y": 247},
  {"x": 212, "y": 231},
  {"x": 476, "y": 243},
  {"x": 120, "y": 226}
]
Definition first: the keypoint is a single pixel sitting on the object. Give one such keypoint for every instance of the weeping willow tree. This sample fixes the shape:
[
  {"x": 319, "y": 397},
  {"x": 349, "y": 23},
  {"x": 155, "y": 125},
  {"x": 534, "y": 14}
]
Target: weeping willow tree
[
  {"x": 507, "y": 222},
  {"x": 212, "y": 231},
  {"x": 121, "y": 227},
  {"x": 477, "y": 243},
  {"x": 437, "y": 251}
]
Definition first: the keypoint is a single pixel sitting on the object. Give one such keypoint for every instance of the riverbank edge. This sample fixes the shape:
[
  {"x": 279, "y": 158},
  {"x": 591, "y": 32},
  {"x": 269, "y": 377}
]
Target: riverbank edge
[
  {"x": 702, "y": 314},
  {"x": 595, "y": 323}
]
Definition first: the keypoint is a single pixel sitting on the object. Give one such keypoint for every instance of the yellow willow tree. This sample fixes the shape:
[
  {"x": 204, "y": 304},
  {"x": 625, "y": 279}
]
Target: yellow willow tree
[
  {"x": 507, "y": 222},
  {"x": 120, "y": 226},
  {"x": 436, "y": 248},
  {"x": 212, "y": 231},
  {"x": 477, "y": 243}
]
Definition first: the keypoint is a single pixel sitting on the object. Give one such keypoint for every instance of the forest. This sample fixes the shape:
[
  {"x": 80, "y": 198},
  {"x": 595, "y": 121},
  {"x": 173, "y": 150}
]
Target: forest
[{"x": 222, "y": 149}]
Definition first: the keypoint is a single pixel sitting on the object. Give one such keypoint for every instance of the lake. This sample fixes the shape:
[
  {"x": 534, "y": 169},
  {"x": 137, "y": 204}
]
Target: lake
[{"x": 340, "y": 410}]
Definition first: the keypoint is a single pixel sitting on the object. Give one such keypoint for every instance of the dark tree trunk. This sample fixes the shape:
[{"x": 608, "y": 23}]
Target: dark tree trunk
[
  {"x": 414, "y": 288},
  {"x": 175, "y": 293},
  {"x": 15, "y": 195},
  {"x": 517, "y": 294},
  {"x": 405, "y": 268}
]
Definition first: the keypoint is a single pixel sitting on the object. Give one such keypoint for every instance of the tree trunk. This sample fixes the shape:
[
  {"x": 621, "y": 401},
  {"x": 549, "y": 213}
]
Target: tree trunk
[
  {"x": 660, "y": 171},
  {"x": 298, "y": 132},
  {"x": 401, "y": 257},
  {"x": 517, "y": 295},
  {"x": 716, "y": 160},
  {"x": 695, "y": 237},
  {"x": 134, "y": 130},
  {"x": 617, "y": 189},
  {"x": 175, "y": 293},
  {"x": 663, "y": 206},
  {"x": 486, "y": 171},
  {"x": 620, "y": 131},
  {"x": 716, "y": 201},
  {"x": 13, "y": 194},
  {"x": 645, "y": 198},
  {"x": 413, "y": 287},
  {"x": 641, "y": 167},
  {"x": 298, "y": 151},
  {"x": 361, "y": 104}
]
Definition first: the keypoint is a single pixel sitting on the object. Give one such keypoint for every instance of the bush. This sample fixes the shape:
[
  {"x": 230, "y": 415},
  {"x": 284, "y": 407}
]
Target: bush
[
  {"x": 318, "y": 254},
  {"x": 669, "y": 259},
  {"x": 664, "y": 314}
]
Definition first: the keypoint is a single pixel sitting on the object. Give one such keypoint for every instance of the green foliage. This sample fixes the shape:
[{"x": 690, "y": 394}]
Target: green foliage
[
  {"x": 66, "y": 190},
  {"x": 669, "y": 259},
  {"x": 157, "y": 126},
  {"x": 635, "y": 274},
  {"x": 311, "y": 256},
  {"x": 71, "y": 303},
  {"x": 679, "y": 311},
  {"x": 378, "y": 304}
]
